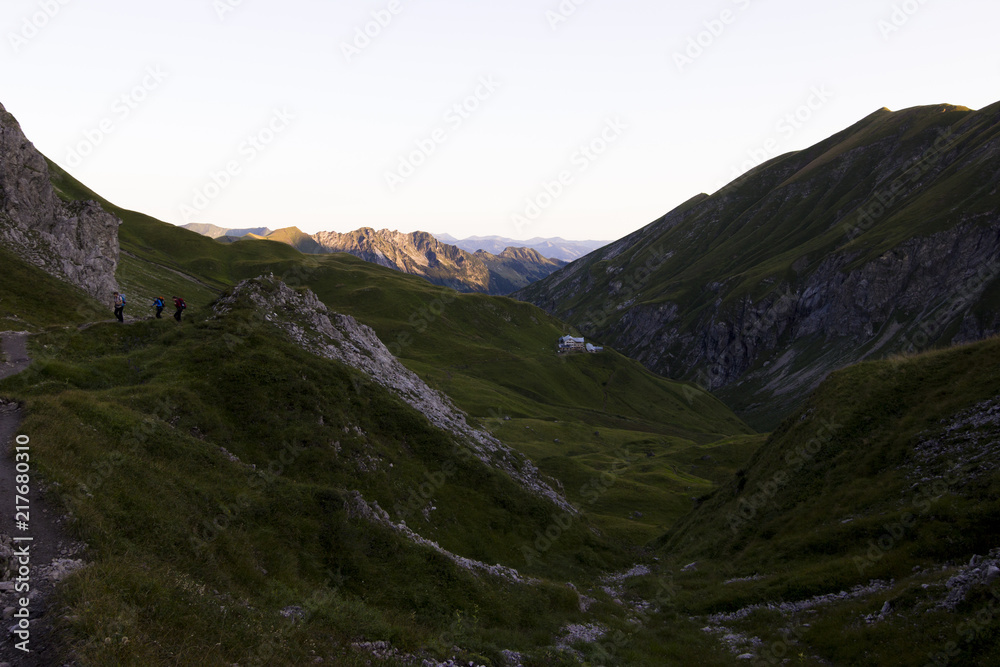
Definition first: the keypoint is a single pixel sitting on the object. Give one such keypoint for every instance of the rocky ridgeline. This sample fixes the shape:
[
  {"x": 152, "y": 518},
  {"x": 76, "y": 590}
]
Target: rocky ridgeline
[
  {"x": 308, "y": 322},
  {"x": 883, "y": 239},
  {"x": 76, "y": 242}
]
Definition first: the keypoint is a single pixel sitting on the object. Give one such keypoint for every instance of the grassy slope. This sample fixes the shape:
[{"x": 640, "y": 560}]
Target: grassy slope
[
  {"x": 31, "y": 299},
  {"x": 126, "y": 414},
  {"x": 793, "y": 211},
  {"x": 494, "y": 356},
  {"x": 576, "y": 416},
  {"x": 128, "y": 424},
  {"x": 815, "y": 532}
]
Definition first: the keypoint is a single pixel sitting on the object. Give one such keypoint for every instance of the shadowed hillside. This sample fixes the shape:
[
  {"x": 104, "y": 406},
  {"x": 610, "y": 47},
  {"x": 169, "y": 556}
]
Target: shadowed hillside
[{"x": 882, "y": 239}]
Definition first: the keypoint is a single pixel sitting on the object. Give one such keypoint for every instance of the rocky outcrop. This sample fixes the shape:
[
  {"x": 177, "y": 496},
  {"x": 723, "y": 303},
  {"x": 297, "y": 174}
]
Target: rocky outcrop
[
  {"x": 308, "y": 322},
  {"x": 884, "y": 239},
  {"x": 74, "y": 241},
  {"x": 419, "y": 254}
]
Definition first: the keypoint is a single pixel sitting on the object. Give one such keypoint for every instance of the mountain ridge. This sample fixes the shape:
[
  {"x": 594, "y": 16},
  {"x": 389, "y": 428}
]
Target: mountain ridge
[
  {"x": 807, "y": 263},
  {"x": 553, "y": 248},
  {"x": 422, "y": 254}
]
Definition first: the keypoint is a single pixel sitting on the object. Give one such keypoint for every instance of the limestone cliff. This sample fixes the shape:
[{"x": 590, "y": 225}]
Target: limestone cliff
[{"x": 77, "y": 241}]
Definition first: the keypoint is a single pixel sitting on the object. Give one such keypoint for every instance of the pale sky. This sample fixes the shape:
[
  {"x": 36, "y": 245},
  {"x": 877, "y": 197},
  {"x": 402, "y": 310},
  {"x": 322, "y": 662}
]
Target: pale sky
[{"x": 245, "y": 113}]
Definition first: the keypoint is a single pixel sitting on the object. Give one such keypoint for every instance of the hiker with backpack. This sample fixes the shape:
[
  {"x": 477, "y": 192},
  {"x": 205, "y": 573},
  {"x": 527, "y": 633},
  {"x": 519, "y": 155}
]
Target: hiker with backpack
[
  {"x": 180, "y": 306},
  {"x": 120, "y": 307},
  {"x": 158, "y": 304}
]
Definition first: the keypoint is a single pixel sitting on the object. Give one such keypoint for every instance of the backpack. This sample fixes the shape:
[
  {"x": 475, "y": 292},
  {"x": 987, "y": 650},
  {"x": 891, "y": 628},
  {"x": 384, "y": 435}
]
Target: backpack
[
  {"x": 182, "y": 304},
  {"x": 122, "y": 298}
]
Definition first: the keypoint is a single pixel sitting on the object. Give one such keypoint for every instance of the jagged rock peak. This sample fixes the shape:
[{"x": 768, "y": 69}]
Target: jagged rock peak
[
  {"x": 74, "y": 241},
  {"x": 315, "y": 328}
]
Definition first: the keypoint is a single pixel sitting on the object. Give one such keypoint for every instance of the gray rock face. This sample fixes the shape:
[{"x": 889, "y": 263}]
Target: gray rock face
[
  {"x": 77, "y": 242},
  {"x": 883, "y": 239},
  {"x": 308, "y": 322}
]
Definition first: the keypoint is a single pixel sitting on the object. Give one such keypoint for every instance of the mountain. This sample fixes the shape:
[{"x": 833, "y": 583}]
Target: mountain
[
  {"x": 553, "y": 248},
  {"x": 864, "y": 531},
  {"x": 75, "y": 241},
  {"x": 331, "y": 460},
  {"x": 294, "y": 237},
  {"x": 883, "y": 239},
  {"x": 214, "y": 232},
  {"x": 420, "y": 254}
]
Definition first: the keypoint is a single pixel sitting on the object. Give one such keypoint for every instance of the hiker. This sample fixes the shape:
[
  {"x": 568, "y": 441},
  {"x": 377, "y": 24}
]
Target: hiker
[
  {"x": 120, "y": 307},
  {"x": 180, "y": 306},
  {"x": 158, "y": 304}
]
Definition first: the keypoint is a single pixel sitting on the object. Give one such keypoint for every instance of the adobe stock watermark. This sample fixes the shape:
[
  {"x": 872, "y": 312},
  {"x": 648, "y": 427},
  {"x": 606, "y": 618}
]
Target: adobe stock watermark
[
  {"x": 715, "y": 374},
  {"x": 121, "y": 109},
  {"x": 901, "y": 15},
  {"x": 592, "y": 491},
  {"x": 365, "y": 35},
  {"x": 795, "y": 461},
  {"x": 784, "y": 129},
  {"x": 712, "y": 30},
  {"x": 202, "y": 536},
  {"x": 912, "y": 171},
  {"x": 895, "y": 532},
  {"x": 586, "y": 154},
  {"x": 273, "y": 644},
  {"x": 630, "y": 290},
  {"x": 32, "y": 26},
  {"x": 454, "y": 118},
  {"x": 923, "y": 335},
  {"x": 420, "y": 320},
  {"x": 608, "y": 650},
  {"x": 248, "y": 151},
  {"x": 970, "y": 631},
  {"x": 224, "y": 7},
  {"x": 563, "y": 13}
]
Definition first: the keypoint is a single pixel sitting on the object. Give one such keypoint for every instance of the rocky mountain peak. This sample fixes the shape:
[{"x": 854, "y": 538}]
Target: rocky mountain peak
[{"x": 75, "y": 241}]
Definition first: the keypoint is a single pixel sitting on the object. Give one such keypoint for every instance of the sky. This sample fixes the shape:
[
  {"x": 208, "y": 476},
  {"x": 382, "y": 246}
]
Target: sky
[{"x": 585, "y": 119}]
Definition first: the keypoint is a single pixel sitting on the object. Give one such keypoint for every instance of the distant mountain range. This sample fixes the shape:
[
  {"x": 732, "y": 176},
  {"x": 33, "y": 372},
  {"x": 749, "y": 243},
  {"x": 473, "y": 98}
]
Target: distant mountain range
[
  {"x": 214, "y": 232},
  {"x": 416, "y": 253},
  {"x": 554, "y": 248}
]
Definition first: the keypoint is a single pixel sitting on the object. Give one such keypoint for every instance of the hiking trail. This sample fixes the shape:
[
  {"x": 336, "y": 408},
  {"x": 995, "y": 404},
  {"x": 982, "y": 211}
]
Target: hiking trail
[{"x": 53, "y": 553}]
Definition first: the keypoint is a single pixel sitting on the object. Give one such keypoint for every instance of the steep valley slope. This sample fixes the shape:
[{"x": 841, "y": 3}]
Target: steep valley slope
[{"x": 883, "y": 239}]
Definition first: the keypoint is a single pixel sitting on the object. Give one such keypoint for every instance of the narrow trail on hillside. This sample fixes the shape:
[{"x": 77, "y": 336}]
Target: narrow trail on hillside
[{"x": 51, "y": 550}]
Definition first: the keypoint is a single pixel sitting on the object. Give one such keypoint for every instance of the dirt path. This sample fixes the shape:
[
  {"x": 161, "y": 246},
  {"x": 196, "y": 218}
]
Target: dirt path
[
  {"x": 52, "y": 552},
  {"x": 15, "y": 353}
]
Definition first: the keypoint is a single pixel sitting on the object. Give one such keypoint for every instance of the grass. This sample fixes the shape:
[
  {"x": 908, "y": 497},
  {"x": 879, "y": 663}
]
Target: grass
[
  {"x": 211, "y": 468},
  {"x": 716, "y": 258},
  {"x": 124, "y": 415},
  {"x": 31, "y": 299},
  {"x": 826, "y": 508},
  {"x": 137, "y": 425}
]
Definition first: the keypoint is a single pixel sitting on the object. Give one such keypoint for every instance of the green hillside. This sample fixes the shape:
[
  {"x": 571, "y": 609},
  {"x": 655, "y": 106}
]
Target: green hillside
[
  {"x": 162, "y": 441},
  {"x": 810, "y": 262},
  {"x": 494, "y": 356},
  {"x": 887, "y": 474}
]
